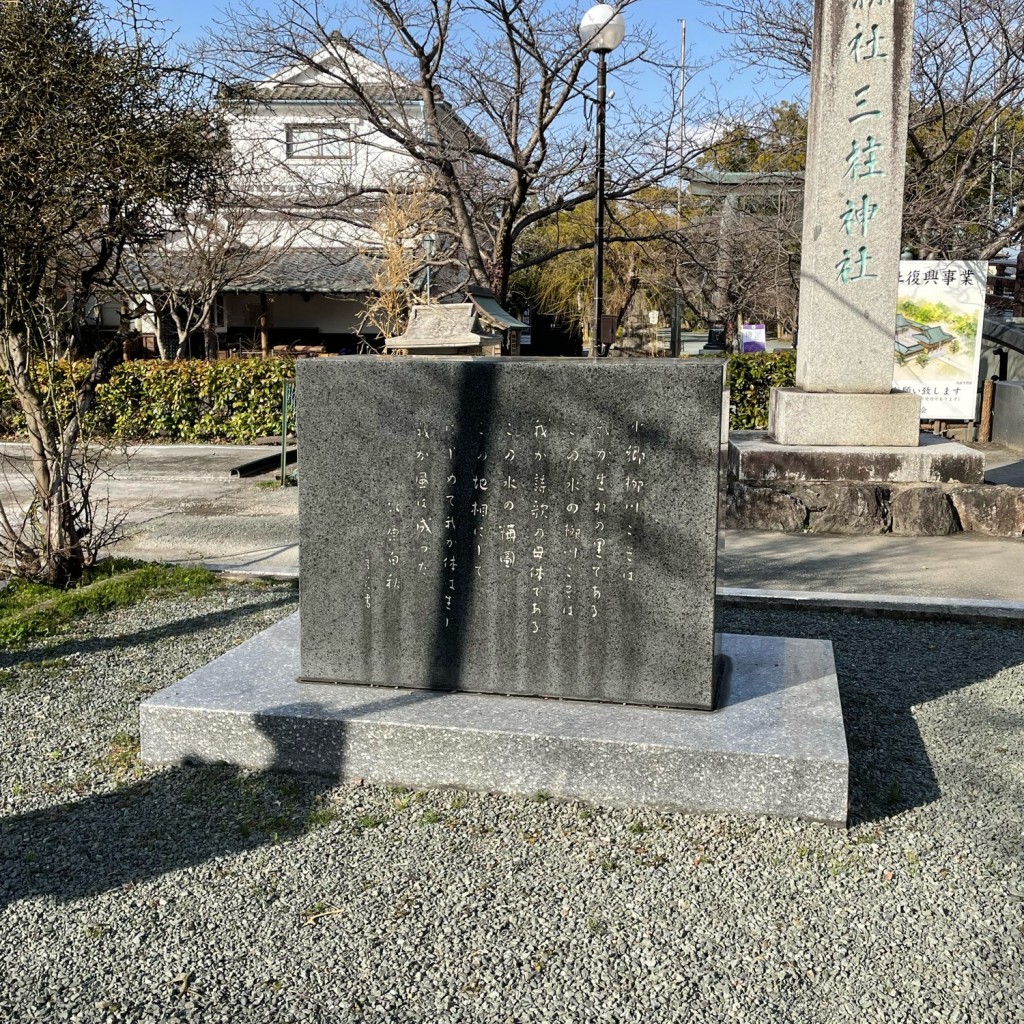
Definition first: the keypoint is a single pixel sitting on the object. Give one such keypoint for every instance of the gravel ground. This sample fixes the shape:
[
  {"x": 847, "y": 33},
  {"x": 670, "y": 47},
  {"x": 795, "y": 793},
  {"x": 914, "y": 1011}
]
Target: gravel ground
[{"x": 214, "y": 895}]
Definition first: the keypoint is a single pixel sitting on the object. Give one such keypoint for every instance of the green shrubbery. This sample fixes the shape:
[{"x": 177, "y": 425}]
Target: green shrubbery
[
  {"x": 231, "y": 400},
  {"x": 751, "y": 377},
  {"x": 237, "y": 401}
]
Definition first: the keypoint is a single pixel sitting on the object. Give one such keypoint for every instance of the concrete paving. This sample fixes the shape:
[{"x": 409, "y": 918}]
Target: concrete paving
[
  {"x": 181, "y": 505},
  {"x": 961, "y": 566}
]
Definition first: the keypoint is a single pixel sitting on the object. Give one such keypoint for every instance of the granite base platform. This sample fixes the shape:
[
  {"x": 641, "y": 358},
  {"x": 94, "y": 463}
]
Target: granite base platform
[
  {"x": 755, "y": 456},
  {"x": 777, "y": 746},
  {"x": 811, "y": 418}
]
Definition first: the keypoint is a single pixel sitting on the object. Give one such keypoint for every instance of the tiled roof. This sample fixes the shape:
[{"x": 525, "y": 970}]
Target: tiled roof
[
  {"x": 331, "y": 92},
  {"x": 324, "y": 271},
  {"x": 336, "y": 271},
  {"x": 486, "y": 303}
]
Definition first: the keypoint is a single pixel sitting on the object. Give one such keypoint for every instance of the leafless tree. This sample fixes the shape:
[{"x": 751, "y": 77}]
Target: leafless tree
[
  {"x": 100, "y": 134},
  {"x": 411, "y": 255},
  {"x": 490, "y": 97},
  {"x": 181, "y": 276},
  {"x": 966, "y": 113},
  {"x": 742, "y": 258}
]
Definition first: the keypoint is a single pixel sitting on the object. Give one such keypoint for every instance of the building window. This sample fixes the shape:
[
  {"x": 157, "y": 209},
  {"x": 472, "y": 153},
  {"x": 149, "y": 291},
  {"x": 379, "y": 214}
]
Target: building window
[{"x": 318, "y": 141}]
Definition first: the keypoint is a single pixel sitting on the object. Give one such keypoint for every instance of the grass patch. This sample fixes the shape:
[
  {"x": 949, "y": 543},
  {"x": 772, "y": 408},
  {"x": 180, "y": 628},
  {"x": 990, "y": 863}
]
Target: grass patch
[
  {"x": 320, "y": 816},
  {"x": 365, "y": 821},
  {"x": 29, "y": 610},
  {"x": 260, "y": 804},
  {"x": 123, "y": 760}
]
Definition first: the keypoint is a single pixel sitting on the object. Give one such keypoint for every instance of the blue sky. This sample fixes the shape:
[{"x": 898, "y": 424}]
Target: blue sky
[{"x": 188, "y": 19}]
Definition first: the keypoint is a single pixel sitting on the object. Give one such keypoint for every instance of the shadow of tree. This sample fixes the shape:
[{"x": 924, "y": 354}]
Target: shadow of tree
[
  {"x": 178, "y": 628},
  {"x": 182, "y": 816},
  {"x": 175, "y": 819},
  {"x": 887, "y": 667}
]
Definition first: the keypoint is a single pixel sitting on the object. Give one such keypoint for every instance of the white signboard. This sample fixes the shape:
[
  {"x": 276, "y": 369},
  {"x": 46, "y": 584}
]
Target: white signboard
[
  {"x": 939, "y": 310},
  {"x": 752, "y": 338}
]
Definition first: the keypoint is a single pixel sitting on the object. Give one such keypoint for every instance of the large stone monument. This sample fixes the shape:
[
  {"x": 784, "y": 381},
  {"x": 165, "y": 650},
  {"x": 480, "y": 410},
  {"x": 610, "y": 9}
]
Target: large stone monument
[
  {"x": 843, "y": 450},
  {"x": 853, "y": 212},
  {"x": 508, "y": 583},
  {"x": 513, "y": 526}
]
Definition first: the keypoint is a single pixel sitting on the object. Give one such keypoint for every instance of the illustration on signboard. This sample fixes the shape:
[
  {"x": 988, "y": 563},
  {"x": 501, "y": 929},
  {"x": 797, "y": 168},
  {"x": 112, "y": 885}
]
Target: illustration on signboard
[{"x": 939, "y": 314}]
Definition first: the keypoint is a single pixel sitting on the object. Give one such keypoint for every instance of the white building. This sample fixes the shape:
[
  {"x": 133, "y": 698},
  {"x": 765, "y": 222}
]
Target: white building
[{"x": 313, "y": 170}]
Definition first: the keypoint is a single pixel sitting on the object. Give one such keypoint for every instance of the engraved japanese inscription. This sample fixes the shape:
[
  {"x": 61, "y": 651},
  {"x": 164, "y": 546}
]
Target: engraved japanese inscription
[
  {"x": 853, "y": 201},
  {"x": 534, "y": 526}
]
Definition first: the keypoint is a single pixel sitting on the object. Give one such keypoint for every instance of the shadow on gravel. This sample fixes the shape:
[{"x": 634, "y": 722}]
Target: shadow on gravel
[
  {"x": 142, "y": 637},
  {"x": 180, "y": 817},
  {"x": 177, "y": 819},
  {"x": 887, "y": 667}
]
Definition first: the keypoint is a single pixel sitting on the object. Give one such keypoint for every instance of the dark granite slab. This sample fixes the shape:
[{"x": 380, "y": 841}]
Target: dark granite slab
[{"x": 511, "y": 526}]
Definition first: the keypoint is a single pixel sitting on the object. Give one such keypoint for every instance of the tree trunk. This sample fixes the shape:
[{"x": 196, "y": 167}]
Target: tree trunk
[
  {"x": 62, "y": 560},
  {"x": 56, "y": 556},
  {"x": 211, "y": 341},
  {"x": 264, "y": 332}
]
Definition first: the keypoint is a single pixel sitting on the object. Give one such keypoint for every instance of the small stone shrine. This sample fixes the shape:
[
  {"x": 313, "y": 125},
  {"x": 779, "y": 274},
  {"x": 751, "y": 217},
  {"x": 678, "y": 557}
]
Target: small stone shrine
[
  {"x": 478, "y": 326},
  {"x": 528, "y": 526}
]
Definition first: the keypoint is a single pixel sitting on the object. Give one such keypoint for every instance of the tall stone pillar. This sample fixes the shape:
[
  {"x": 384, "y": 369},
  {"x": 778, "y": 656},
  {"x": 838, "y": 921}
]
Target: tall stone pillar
[{"x": 853, "y": 210}]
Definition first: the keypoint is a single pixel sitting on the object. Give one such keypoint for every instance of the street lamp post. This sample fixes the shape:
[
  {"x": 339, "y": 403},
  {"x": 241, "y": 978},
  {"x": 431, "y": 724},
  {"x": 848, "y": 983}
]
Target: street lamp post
[
  {"x": 428, "y": 251},
  {"x": 601, "y": 30}
]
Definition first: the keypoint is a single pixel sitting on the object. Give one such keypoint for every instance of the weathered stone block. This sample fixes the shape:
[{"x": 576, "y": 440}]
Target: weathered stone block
[
  {"x": 922, "y": 512},
  {"x": 806, "y": 418},
  {"x": 987, "y": 508},
  {"x": 854, "y": 509},
  {"x": 511, "y": 526},
  {"x": 756, "y": 457},
  {"x": 763, "y": 508}
]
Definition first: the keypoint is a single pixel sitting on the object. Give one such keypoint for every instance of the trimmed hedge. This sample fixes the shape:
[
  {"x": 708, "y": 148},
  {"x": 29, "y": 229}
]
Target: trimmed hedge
[
  {"x": 751, "y": 377},
  {"x": 231, "y": 400},
  {"x": 239, "y": 400}
]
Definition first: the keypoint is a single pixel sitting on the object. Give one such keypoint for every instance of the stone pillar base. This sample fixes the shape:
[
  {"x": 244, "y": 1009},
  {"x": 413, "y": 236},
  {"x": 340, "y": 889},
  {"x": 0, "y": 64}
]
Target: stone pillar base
[{"x": 825, "y": 418}]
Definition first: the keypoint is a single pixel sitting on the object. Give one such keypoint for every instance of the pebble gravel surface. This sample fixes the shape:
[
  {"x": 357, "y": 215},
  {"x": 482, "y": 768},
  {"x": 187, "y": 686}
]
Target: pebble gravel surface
[{"x": 131, "y": 894}]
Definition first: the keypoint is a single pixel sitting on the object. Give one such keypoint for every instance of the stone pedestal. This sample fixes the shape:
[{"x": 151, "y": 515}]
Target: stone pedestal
[
  {"x": 754, "y": 457},
  {"x": 776, "y": 746},
  {"x": 806, "y": 418},
  {"x": 930, "y": 490}
]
